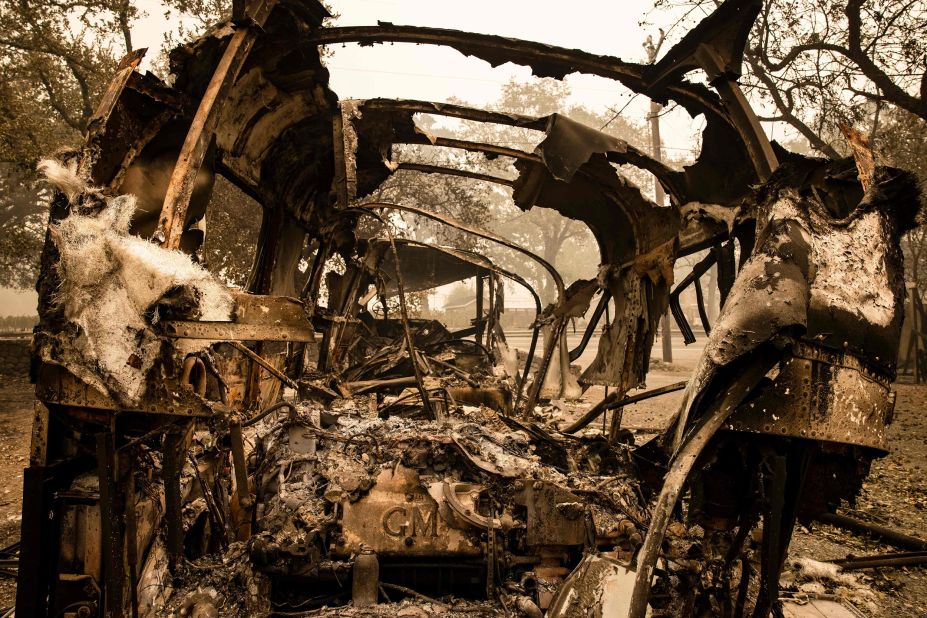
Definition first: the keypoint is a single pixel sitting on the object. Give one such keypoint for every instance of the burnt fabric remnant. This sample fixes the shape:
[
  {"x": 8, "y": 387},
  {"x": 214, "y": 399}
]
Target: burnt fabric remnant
[{"x": 288, "y": 450}]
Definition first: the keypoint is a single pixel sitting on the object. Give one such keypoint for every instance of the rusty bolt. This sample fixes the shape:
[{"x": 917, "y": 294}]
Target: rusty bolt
[{"x": 83, "y": 611}]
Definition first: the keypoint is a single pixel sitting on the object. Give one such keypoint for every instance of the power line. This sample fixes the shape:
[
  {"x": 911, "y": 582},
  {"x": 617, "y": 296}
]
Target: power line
[{"x": 619, "y": 112}]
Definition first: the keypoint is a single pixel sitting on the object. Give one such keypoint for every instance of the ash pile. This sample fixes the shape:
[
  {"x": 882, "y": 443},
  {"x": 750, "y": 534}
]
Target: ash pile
[{"x": 473, "y": 512}]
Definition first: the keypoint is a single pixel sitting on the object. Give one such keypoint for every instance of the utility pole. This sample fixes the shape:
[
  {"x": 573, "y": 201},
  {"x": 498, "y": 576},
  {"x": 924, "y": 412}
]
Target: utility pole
[{"x": 656, "y": 148}]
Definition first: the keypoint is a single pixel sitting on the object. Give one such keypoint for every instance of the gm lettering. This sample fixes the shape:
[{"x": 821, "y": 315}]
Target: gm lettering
[{"x": 411, "y": 521}]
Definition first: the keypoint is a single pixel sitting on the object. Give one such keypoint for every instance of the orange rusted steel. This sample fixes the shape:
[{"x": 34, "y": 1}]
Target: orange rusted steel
[{"x": 177, "y": 198}]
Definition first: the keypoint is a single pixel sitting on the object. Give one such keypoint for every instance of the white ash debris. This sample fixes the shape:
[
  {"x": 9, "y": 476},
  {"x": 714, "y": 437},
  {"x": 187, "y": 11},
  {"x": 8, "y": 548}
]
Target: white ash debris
[
  {"x": 419, "y": 608},
  {"x": 111, "y": 284},
  {"x": 813, "y": 577}
]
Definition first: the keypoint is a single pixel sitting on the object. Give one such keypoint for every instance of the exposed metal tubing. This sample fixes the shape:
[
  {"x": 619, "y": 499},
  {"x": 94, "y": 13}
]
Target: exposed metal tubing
[
  {"x": 268, "y": 411},
  {"x": 590, "y": 327},
  {"x": 909, "y": 558},
  {"x": 450, "y": 171},
  {"x": 537, "y": 313},
  {"x": 611, "y": 402},
  {"x": 558, "y": 280},
  {"x": 700, "y": 303},
  {"x": 697, "y": 271},
  {"x": 888, "y": 535}
]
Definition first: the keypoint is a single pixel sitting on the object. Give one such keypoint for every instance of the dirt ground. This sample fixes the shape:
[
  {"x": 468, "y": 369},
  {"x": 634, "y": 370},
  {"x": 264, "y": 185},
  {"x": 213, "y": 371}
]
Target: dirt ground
[
  {"x": 894, "y": 495},
  {"x": 16, "y": 408}
]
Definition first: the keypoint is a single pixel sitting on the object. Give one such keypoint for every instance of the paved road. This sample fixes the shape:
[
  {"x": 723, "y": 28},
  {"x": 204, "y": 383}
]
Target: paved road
[{"x": 684, "y": 356}]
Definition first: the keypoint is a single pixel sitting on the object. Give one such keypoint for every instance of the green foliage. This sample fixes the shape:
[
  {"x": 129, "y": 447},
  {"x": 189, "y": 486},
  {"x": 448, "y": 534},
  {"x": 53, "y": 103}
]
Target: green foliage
[
  {"x": 56, "y": 57},
  {"x": 22, "y": 226}
]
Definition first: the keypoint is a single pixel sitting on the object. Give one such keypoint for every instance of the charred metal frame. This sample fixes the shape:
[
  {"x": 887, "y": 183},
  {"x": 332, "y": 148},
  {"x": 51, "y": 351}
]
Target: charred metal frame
[{"x": 323, "y": 201}]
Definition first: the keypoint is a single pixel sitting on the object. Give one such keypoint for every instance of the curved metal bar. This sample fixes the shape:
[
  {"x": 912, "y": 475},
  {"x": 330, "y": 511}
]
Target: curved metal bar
[
  {"x": 450, "y": 171},
  {"x": 519, "y": 280},
  {"x": 700, "y": 303},
  {"x": 610, "y": 402},
  {"x": 490, "y": 149},
  {"x": 481, "y": 233},
  {"x": 403, "y": 311},
  {"x": 173, "y": 215},
  {"x": 632, "y": 156},
  {"x": 558, "y": 280},
  {"x": 545, "y": 60},
  {"x": 451, "y": 110},
  {"x": 680, "y": 468},
  {"x": 590, "y": 327},
  {"x": 697, "y": 271}
]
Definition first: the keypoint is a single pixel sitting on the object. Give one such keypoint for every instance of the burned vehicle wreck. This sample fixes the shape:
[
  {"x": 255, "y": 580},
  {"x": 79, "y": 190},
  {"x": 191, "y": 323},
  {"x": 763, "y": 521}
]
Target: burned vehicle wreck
[{"x": 204, "y": 451}]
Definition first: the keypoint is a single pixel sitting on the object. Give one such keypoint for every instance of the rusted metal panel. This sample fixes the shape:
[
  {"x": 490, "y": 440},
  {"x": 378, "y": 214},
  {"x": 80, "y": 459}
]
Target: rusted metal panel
[
  {"x": 58, "y": 386},
  {"x": 556, "y": 516},
  {"x": 112, "y": 529},
  {"x": 107, "y": 102},
  {"x": 256, "y": 318},
  {"x": 344, "y": 150},
  {"x": 133, "y": 110},
  {"x": 716, "y": 45},
  {"x": 34, "y": 575},
  {"x": 821, "y": 395},
  {"x": 231, "y": 331},
  {"x": 38, "y": 448}
]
